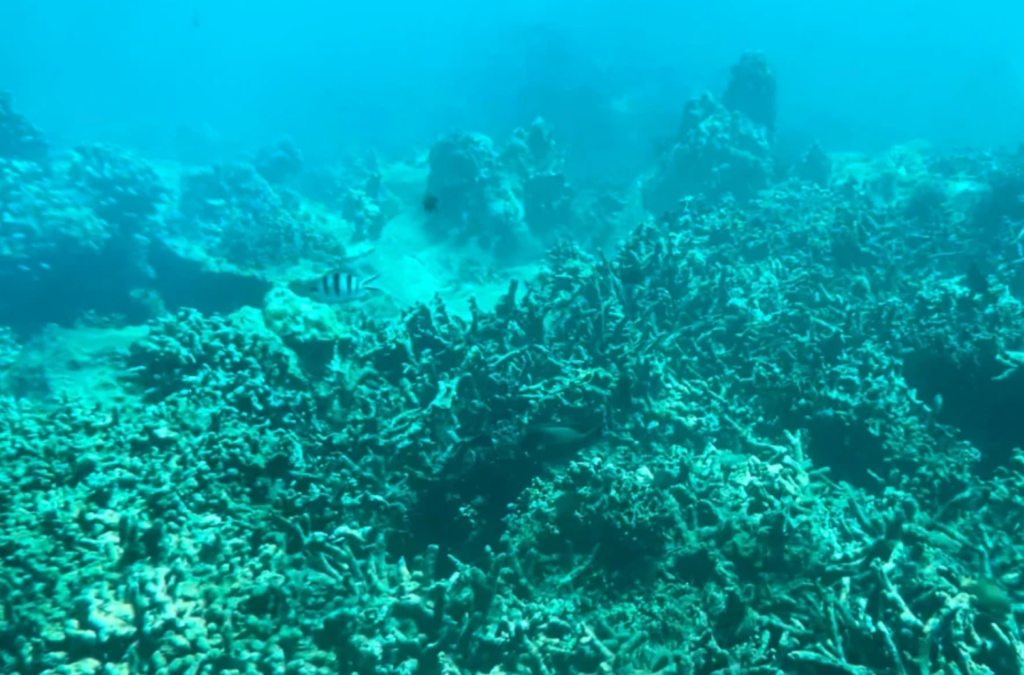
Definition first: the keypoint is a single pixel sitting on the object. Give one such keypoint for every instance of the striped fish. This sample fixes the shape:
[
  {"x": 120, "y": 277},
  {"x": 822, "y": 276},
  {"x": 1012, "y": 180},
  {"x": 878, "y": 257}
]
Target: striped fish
[{"x": 338, "y": 287}]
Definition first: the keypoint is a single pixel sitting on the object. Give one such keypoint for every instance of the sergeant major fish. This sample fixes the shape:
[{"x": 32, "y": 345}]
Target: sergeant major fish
[{"x": 337, "y": 288}]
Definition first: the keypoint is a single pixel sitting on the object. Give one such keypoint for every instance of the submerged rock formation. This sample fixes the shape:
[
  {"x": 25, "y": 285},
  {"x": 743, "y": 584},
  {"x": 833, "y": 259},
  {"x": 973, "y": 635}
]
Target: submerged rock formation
[
  {"x": 719, "y": 152},
  {"x": 19, "y": 138}
]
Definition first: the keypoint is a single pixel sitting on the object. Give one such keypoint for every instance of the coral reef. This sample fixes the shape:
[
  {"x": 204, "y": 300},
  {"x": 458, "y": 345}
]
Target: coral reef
[
  {"x": 724, "y": 147},
  {"x": 73, "y": 237},
  {"x": 124, "y": 189},
  {"x": 478, "y": 203},
  {"x": 240, "y": 219},
  {"x": 1004, "y": 202},
  {"x": 9, "y": 350},
  {"x": 329, "y": 185},
  {"x": 356, "y": 189},
  {"x": 364, "y": 209},
  {"x": 814, "y": 166},
  {"x": 43, "y": 222},
  {"x": 776, "y": 433},
  {"x": 536, "y": 166},
  {"x": 533, "y": 150},
  {"x": 280, "y": 162},
  {"x": 763, "y": 459},
  {"x": 510, "y": 200},
  {"x": 751, "y": 90},
  {"x": 719, "y": 152}
]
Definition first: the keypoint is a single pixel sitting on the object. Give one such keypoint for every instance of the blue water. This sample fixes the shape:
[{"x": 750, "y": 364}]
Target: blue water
[{"x": 334, "y": 75}]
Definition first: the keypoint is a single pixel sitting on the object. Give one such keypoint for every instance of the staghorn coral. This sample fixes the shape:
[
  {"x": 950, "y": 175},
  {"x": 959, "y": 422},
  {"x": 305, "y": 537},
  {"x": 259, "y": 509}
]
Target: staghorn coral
[{"x": 217, "y": 363}]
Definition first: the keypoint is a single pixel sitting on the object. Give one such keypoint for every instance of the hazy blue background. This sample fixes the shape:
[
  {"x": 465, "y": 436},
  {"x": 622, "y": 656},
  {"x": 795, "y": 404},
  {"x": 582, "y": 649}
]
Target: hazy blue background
[{"x": 611, "y": 75}]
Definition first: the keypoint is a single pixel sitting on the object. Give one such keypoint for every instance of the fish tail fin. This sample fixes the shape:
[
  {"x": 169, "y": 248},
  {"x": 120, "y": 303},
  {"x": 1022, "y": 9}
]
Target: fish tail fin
[{"x": 594, "y": 431}]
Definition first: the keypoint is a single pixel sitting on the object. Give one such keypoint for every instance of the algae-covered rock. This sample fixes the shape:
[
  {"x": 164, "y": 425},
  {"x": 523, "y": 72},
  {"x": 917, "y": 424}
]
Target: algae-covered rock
[
  {"x": 124, "y": 189},
  {"x": 533, "y": 150},
  {"x": 61, "y": 252},
  {"x": 475, "y": 197},
  {"x": 814, "y": 166},
  {"x": 719, "y": 152},
  {"x": 752, "y": 90},
  {"x": 233, "y": 214},
  {"x": 279, "y": 162}
]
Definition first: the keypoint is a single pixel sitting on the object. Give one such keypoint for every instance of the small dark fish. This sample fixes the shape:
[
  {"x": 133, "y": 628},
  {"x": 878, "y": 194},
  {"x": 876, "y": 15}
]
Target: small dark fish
[
  {"x": 553, "y": 441},
  {"x": 429, "y": 203},
  {"x": 338, "y": 287},
  {"x": 989, "y": 596}
]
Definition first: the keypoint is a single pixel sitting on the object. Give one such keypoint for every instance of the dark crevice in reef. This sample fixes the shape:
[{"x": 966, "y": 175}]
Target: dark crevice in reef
[
  {"x": 466, "y": 512},
  {"x": 850, "y": 451},
  {"x": 444, "y": 507},
  {"x": 982, "y": 410},
  {"x": 464, "y": 508},
  {"x": 62, "y": 297},
  {"x": 182, "y": 282},
  {"x": 109, "y": 283}
]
